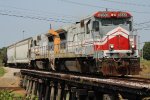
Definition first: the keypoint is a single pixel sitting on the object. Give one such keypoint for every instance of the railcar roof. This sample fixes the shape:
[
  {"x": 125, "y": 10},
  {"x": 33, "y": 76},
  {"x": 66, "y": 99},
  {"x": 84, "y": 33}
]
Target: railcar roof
[{"x": 19, "y": 41}]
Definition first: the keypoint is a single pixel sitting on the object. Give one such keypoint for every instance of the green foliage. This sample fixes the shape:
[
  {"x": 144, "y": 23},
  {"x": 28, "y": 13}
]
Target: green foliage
[
  {"x": 31, "y": 97},
  {"x": 146, "y": 51},
  {"x": 9, "y": 95},
  {"x": 2, "y": 54},
  {"x": 2, "y": 71}
]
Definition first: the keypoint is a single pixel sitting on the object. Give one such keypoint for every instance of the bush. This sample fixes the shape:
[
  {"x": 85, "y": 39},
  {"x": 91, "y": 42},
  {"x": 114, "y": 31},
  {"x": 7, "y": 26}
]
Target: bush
[
  {"x": 146, "y": 51},
  {"x": 8, "y": 95},
  {"x": 3, "y": 55},
  {"x": 2, "y": 71}
]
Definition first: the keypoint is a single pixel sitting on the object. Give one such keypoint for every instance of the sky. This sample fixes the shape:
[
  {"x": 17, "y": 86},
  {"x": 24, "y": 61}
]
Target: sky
[{"x": 21, "y": 19}]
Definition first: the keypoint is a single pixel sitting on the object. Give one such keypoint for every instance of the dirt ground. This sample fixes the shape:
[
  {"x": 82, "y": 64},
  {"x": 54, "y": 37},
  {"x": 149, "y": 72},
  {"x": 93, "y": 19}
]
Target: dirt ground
[{"x": 11, "y": 82}]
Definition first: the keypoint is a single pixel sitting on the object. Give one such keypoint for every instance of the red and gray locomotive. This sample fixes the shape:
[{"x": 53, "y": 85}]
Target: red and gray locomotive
[{"x": 102, "y": 43}]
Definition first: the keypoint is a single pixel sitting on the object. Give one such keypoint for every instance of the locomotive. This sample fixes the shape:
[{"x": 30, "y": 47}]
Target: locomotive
[{"x": 101, "y": 43}]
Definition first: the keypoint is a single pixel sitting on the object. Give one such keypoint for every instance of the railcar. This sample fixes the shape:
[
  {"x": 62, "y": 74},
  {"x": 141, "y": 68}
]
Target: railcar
[
  {"x": 101, "y": 43},
  {"x": 18, "y": 55}
]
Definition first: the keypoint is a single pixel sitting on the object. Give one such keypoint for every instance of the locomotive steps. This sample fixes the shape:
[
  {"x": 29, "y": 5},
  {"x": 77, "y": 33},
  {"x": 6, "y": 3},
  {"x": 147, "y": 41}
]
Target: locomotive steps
[{"x": 58, "y": 86}]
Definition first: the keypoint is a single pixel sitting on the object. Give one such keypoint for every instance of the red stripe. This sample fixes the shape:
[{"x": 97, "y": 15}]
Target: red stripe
[
  {"x": 112, "y": 34},
  {"x": 121, "y": 43}
]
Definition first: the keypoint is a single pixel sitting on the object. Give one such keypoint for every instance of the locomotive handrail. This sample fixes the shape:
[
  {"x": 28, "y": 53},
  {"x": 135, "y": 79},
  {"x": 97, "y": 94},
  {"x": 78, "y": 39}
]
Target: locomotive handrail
[{"x": 70, "y": 46}]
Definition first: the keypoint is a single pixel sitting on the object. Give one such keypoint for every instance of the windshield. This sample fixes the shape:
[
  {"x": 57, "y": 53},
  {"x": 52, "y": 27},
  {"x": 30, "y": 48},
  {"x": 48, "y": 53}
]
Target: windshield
[
  {"x": 107, "y": 22},
  {"x": 103, "y": 26},
  {"x": 106, "y": 25}
]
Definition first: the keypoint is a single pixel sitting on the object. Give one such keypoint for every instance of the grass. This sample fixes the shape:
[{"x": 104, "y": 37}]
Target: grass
[
  {"x": 1, "y": 62},
  {"x": 2, "y": 71},
  {"x": 145, "y": 65}
]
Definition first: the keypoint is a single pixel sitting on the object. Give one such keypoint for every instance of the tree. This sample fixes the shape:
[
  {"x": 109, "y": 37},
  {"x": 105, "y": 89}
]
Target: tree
[
  {"x": 3, "y": 54},
  {"x": 146, "y": 51}
]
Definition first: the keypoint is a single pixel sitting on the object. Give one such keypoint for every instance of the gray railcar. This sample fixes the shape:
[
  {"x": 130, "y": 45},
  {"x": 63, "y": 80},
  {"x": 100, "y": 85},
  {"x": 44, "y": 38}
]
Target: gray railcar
[{"x": 18, "y": 53}]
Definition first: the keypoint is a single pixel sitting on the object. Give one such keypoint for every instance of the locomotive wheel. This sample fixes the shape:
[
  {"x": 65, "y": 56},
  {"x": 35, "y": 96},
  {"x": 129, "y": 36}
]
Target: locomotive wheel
[
  {"x": 108, "y": 68},
  {"x": 123, "y": 70}
]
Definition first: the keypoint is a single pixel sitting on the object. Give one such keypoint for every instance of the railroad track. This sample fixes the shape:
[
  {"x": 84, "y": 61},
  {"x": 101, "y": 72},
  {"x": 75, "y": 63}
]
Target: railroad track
[
  {"x": 132, "y": 79},
  {"x": 126, "y": 86}
]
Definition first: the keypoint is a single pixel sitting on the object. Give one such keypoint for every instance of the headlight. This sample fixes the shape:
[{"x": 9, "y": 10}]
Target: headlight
[
  {"x": 133, "y": 46},
  {"x": 112, "y": 46}
]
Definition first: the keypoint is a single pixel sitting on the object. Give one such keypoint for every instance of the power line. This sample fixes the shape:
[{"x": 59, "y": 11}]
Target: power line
[
  {"x": 83, "y": 4},
  {"x": 53, "y": 19},
  {"x": 127, "y": 3},
  {"x": 44, "y": 12},
  {"x": 13, "y": 12},
  {"x": 147, "y": 22},
  {"x": 8, "y": 13},
  {"x": 147, "y": 29},
  {"x": 142, "y": 28},
  {"x": 95, "y": 6},
  {"x": 33, "y": 17}
]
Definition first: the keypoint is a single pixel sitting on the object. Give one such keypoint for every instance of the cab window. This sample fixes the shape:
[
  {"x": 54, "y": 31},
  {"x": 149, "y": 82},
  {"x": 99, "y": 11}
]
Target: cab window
[{"x": 96, "y": 26}]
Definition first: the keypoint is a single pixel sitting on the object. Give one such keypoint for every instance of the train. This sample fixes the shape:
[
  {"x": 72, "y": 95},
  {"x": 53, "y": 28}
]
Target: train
[{"x": 102, "y": 43}]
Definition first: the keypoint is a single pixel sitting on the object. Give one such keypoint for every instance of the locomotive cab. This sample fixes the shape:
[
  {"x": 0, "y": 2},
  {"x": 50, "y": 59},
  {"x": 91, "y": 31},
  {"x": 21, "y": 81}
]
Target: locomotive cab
[{"x": 109, "y": 28}]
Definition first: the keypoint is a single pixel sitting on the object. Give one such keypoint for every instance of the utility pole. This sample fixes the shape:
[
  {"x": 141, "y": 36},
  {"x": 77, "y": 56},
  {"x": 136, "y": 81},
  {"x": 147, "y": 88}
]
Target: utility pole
[
  {"x": 23, "y": 33},
  {"x": 50, "y": 26},
  {"x": 142, "y": 53},
  {"x": 142, "y": 50}
]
